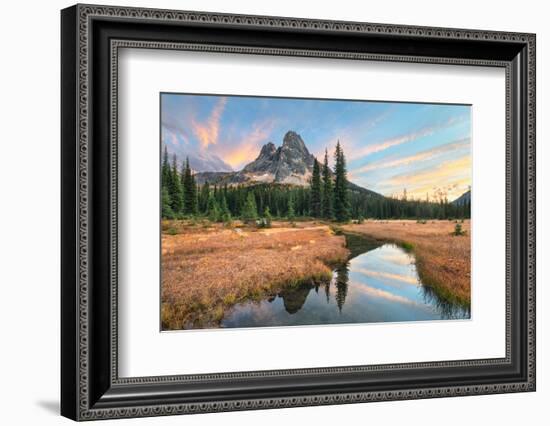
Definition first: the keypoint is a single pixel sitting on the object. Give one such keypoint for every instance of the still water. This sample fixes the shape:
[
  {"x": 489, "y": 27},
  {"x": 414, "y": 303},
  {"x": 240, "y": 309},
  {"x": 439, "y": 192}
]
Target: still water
[{"x": 378, "y": 284}]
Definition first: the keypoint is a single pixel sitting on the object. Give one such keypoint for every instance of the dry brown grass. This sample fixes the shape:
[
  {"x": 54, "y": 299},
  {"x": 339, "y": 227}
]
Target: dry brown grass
[
  {"x": 207, "y": 268},
  {"x": 442, "y": 259}
]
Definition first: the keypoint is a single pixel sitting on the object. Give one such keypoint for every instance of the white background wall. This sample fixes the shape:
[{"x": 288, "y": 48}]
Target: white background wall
[{"x": 29, "y": 214}]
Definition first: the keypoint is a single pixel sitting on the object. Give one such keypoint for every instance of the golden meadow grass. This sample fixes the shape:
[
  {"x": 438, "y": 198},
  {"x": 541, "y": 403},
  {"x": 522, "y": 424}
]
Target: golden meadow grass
[
  {"x": 442, "y": 259},
  {"x": 207, "y": 268}
]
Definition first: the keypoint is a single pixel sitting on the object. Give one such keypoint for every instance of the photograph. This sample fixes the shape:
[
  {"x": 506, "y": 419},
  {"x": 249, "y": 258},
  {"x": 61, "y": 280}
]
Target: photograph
[
  {"x": 288, "y": 211},
  {"x": 262, "y": 209}
]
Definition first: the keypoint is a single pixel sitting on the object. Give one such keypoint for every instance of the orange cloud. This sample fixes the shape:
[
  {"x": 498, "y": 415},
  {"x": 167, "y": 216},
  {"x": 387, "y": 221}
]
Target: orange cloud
[
  {"x": 248, "y": 148},
  {"x": 207, "y": 133},
  {"x": 453, "y": 177}
]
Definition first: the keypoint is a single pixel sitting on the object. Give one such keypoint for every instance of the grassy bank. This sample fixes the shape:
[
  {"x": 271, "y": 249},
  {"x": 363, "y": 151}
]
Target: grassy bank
[
  {"x": 442, "y": 259},
  {"x": 207, "y": 268}
]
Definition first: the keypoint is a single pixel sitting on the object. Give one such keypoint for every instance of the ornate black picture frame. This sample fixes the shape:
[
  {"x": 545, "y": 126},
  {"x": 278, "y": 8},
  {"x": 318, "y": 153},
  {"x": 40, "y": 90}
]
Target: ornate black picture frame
[{"x": 91, "y": 36}]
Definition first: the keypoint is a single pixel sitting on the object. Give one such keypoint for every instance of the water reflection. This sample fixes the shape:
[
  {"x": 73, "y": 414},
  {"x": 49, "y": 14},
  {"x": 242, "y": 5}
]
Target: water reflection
[
  {"x": 295, "y": 297},
  {"x": 341, "y": 279},
  {"x": 378, "y": 283}
]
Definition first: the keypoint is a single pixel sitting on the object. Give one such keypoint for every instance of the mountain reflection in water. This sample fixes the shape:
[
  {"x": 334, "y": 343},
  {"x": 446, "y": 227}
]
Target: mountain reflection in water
[{"x": 378, "y": 283}]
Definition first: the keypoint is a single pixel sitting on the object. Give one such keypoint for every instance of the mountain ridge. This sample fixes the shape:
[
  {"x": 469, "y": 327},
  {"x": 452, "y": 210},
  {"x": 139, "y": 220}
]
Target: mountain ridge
[
  {"x": 289, "y": 164},
  {"x": 463, "y": 199}
]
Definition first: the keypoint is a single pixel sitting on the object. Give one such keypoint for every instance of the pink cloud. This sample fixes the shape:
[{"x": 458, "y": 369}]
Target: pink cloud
[
  {"x": 208, "y": 132},
  {"x": 239, "y": 153}
]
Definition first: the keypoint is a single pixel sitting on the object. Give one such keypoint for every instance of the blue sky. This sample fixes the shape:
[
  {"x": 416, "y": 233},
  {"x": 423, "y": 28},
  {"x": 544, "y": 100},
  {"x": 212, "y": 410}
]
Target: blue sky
[{"x": 389, "y": 146}]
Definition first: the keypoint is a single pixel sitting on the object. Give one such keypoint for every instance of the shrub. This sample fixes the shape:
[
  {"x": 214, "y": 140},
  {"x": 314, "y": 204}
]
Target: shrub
[
  {"x": 172, "y": 231},
  {"x": 407, "y": 246},
  {"x": 227, "y": 220},
  {"x": 458, "y": 230},
  {"x": 267, "y": 218},
  {"x": 337, "y": 230},
  {"x": 261, "y": 222}
]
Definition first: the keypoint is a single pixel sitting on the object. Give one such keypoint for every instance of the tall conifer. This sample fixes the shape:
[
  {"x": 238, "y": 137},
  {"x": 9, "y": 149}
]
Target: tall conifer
[
  {"x": 189, "y": 190},
  {"x": 341, "y": 196},
  {"x": 327, "y": 194},
  {"x": 315, "y": 196},
  {"x": 175, "y": 190},
  {"x": 250, "y": 211}
]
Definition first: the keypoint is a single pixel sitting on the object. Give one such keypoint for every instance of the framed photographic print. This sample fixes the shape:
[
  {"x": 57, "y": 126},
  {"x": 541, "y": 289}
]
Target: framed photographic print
[{"x": 263, "y": 212}]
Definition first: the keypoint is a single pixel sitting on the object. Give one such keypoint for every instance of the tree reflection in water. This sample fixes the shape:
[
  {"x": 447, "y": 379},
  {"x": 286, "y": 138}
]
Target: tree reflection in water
[
  {"x": 340, "y": 280},
  {"x": 377, "y": 283}
]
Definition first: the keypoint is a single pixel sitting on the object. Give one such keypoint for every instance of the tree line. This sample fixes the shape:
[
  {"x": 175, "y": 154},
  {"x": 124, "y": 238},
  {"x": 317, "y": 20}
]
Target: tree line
[{"x": 328, "y": 196}]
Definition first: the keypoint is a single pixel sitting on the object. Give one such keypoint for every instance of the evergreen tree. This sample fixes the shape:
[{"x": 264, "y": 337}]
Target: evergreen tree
[
  {"x": 174, "y": 189},
  {"x": 315, "y": 195},
  {"x": 267, "y": 217},
  {"x": 212, "y": 209},
  {"x": 204, "y": 195},
  {"x": 166, "y": 171},
  {"x": 167, "y": 212},
  {"x": 189, "y": 190},
  {"x": 327, "y": 194},
  {"x": 341, "y": 196},
  {"x": 224, "y": 209},
  {"x": 291, "y": 214},
  {"x": 250, "y": 212},
  {"x": 195, "y": 194}
]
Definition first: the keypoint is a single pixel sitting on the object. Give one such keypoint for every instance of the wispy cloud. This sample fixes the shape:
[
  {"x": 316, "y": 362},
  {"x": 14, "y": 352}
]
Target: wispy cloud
[
  {"x": 383, "y": 294},
  {"x": 207, "y": 132},
  {"x": 389, "y": 276},
  {"x": 351, "y": 136},
  {"x": 421, "y": 156},
  {"x": 404, "y": 138},
  {"x": 244, "y": 148},
  {"x": 449, "y": 178}
]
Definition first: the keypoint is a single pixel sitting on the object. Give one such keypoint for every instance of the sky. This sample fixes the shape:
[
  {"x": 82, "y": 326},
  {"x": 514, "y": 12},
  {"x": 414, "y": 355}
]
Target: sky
[{"x": 389, "y": 147}]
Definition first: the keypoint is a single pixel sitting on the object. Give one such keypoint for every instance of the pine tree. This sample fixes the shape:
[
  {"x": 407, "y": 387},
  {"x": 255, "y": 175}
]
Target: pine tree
[
  {"x": 326, "y": 201},
  {"x": 195, "y": 194},
  {"x": 167, "y": 212},
  {"x": 166, "y": 179},
  {"x": 212, "y": 209},
  {"x": 291, "y": 214},
  {"x": 189, "y": 190},
  {"x": 223, "y": 207},
  {"x": 174, "y": 189},
  {"x": 204, "y": 194},
  {"x": 166, "y": 172},
  {"x": 341, "y": 196},
  {"x": 315, "y": 196},
  {"x": 250, "y": 212},
  {"x": 267, "y": 217}
]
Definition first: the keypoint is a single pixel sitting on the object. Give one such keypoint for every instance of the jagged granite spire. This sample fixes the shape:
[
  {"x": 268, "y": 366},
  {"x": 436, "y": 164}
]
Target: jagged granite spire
[{"x": 290, "y": 163}]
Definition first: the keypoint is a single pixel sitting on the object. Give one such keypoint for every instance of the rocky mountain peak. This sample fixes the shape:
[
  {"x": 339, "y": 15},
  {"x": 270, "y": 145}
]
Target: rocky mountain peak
[
  {"x": 268, "y": 149},
  {"x": 293, "y": 141},
  {"x": 265, "y": 160},
  {"x": 291, "y": 163}
]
